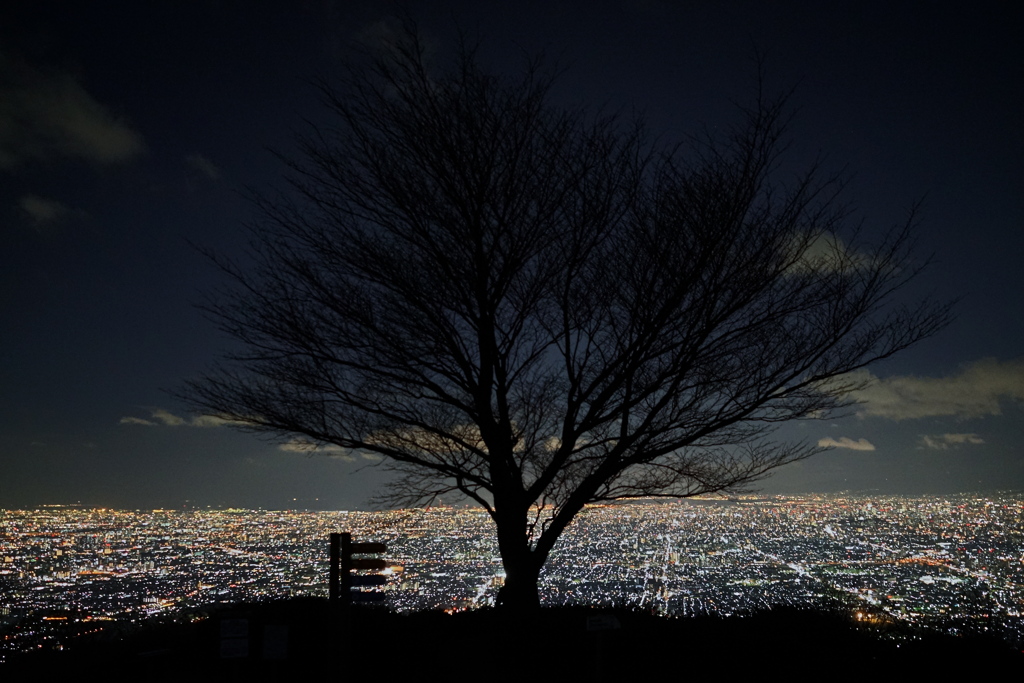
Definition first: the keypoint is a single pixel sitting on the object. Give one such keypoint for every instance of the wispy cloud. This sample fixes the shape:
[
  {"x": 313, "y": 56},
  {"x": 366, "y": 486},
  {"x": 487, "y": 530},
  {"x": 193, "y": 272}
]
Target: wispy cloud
[
  {"x": 43, "y": 211},
  {"x": 975, "y": 391},
  {"x": 310, "y": 448},
  {"x": 137, "y": 421},
  {"x": 166, "y": 418},
  {"x": 846, "y": 442},
  {"x": 209, "y": 421},
  {"x": 203, "y": 165},
  {"x": 942, "y": 442},
  {"x": 48, "y": 115},
  {"x": 828, "y": 253}
]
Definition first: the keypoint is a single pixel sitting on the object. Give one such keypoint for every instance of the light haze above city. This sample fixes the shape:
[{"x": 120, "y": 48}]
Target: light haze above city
[{"x": 131, "y": 134}]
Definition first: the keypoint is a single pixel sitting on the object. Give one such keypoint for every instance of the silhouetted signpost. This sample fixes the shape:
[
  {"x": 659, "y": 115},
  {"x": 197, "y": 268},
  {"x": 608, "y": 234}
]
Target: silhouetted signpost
[{"x": 342, "y": 580}]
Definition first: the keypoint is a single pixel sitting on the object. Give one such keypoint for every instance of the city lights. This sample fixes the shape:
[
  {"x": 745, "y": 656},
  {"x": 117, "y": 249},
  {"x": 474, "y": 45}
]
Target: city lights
[{"x": 954, "y": 563}]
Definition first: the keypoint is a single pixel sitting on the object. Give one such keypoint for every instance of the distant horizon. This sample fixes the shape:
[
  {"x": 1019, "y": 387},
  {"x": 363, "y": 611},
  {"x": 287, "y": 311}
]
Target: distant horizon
[{"x": 861, "y": 493}]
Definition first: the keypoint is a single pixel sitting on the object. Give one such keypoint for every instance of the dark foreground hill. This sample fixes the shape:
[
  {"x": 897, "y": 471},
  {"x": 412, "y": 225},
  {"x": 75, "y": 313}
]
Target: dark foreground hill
[{"x": 283, "y": 640}]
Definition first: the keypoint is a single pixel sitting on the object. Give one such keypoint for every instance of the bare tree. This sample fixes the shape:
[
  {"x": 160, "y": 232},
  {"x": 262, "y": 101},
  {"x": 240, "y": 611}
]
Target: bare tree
[{"x": 540, "y": 309}]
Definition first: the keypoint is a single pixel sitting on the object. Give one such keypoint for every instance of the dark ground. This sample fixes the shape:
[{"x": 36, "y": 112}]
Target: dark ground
[{"x": 300, "y": 638}]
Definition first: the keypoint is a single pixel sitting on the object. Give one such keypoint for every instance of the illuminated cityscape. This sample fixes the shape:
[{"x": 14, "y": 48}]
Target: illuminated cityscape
[{"x": 954, "y": 563}]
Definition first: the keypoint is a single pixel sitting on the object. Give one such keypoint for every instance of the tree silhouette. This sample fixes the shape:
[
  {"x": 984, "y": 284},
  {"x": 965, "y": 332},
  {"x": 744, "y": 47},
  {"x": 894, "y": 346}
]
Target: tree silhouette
[{"x": 539, "y": 308}]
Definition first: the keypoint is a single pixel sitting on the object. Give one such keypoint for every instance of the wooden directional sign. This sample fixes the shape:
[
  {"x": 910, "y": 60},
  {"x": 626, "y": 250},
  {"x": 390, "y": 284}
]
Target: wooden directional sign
[
  {"x": 342, "y": 580},
  {"x": 368, "y": 548}
]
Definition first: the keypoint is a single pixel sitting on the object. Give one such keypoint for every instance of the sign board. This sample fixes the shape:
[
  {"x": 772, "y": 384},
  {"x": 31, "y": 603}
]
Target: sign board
[{"x": 343, "y": 564}]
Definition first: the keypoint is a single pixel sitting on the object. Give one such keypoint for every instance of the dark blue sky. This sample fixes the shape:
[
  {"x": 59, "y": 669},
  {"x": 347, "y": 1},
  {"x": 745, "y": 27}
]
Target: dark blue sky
[{"x": 130, "y": 130}]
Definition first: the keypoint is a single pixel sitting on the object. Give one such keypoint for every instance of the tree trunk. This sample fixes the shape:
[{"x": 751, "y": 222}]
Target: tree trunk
[
  {"x": 519, "y": 593},
  {"x": 522, "y": 564}
]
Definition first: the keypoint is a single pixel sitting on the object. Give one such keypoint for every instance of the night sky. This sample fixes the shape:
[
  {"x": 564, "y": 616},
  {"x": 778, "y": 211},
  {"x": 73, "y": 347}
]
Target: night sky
[{"x": 131, "y": 131}]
